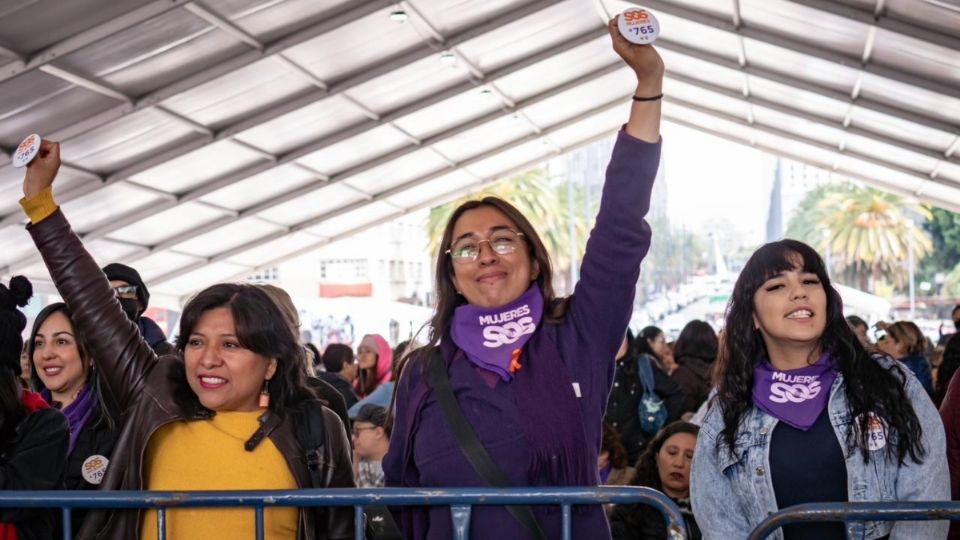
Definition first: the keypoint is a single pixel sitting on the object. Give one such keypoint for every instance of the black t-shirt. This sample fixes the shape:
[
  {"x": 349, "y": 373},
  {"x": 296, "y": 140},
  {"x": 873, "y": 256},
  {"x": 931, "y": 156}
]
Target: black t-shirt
[{"x": 808, "y": 467}]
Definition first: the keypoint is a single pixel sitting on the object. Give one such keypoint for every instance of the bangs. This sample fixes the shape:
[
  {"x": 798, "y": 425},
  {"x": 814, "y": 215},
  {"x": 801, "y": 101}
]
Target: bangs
[{"x": 776, "y": 258}]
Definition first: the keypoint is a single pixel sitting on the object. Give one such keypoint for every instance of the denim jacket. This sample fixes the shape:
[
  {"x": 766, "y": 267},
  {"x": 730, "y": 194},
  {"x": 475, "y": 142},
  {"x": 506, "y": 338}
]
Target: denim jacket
[{"x": 732, "y": 496}]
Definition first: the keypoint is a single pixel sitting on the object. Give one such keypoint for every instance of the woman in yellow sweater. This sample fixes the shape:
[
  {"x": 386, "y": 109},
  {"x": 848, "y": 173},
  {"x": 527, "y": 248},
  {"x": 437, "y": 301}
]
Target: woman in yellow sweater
[{"x": 230, "y": 410}]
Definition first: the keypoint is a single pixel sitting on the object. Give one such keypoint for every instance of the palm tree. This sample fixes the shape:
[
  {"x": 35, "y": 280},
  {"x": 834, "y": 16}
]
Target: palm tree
[
  {"x": 867, "y": 231},
  {"x": 543, "y": 202}
]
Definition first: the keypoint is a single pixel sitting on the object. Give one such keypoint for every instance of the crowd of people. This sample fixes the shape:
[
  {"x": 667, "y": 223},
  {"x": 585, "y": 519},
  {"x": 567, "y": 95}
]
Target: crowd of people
[{"x": 515, "y": 387}]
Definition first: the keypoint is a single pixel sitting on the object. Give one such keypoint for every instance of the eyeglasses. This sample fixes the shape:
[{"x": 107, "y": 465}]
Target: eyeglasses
[
  {"x": 466, "y": 250},
  {"x": 356, "y": 430},
  {"x": 125, "y": 290}
]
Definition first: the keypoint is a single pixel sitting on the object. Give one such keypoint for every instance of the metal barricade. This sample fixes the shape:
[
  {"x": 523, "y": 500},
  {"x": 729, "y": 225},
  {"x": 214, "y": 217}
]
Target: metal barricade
[
  {"x": 460, "y": 501},
  {"x": 853, "y": 515}
]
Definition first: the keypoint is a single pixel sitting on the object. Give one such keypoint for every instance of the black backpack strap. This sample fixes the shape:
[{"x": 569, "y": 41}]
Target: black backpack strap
[
  {"x": 311, "y": 434},
  {"x": 470, "y": 444}
]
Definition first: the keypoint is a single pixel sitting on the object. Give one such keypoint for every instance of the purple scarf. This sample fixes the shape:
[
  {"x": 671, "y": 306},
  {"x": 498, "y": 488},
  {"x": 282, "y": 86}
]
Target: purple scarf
[
  {"x": 492, "y": 338},
  {"x": 77, "y": 413},
  {"x": 797, "y": 396}
]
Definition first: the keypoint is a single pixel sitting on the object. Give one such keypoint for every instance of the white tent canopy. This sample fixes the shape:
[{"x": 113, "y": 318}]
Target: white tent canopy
[{"x": 204, "y": 140}]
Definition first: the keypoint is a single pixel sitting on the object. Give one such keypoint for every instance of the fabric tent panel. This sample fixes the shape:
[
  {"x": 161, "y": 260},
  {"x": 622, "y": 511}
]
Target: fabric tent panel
[
  {"x": 238, "y": 93},
  {"x": 919, "y": 57},
  {"x": 269, "y": 20},
  {"x": 126, "y": 141},
  {"x": 911, "y": 132},
  {"x": 497, "y": 165},
  {"x": 892, "y": 154},
  {"x": 408, "y": 84},
  {"x": 797, "y": 64},
  {"x": 430, "y": 190},
  {"x": 167, "y": 224},
  {"x": 558, "y": 69},
  {"x": 354, "y": 46},
  {"x": 399, "y": 171},
  {"x": 800, "y": 99},
  {"x": 221, "y": 239},
  {"x": 619, "y": 84},
  {"x": 448, "y": 113},
  {"x": 104, "y": 251},
  {"x": 511, "y": 42},
  {"x": 87, "y": 212},
  {"x": 699, "y": 36},
  {"x": 356, "y": 150},
  {"x": 302, "y": 126},
  {"x": 604, "y": 124},
  {"x": 159, "y": 263},
  {"x": 39, "y": 103},
  {"x": 197, "y": 167},
  {"x": 689, "y": 66},
  {"x": 367, "y": 214},
  {"x": 898, "y": 94},
  {"x": 925, "y": 13},
  {"x": 451, "y": 17},
  {"x": 59, "y": 20},
  {"x": 882, "y": 175},
  {"x": 950, "y": 171},
  {"x": 806, "y": 25},
  {"x": 316, "y": 203},
  {"x": 933, "y": 191},
  {"x": 706, "y": 98},
  {"x": 15, "y": 244},
  {"x": 484, "y": 137},
  {"x": 281, "y": 247},
  {"x": 11, "y": 187},
  {"x": 815, "y": 131},
  {"x": 198, "y": 279},
  {"x": 260, "y": 187},
  {"x": 720, "y": 9}
]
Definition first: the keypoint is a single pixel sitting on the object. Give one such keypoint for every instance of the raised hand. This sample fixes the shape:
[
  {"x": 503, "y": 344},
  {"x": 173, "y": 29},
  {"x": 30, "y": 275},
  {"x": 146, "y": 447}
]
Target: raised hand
[
  {"x": 642, "y": 59},
  {"x": 42, "y": 170}
]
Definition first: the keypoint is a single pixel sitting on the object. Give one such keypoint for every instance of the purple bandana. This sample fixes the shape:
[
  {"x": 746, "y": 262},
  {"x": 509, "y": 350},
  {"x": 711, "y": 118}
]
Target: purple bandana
[
  {"x": 797, "y": 396},
  {"x": 489, "y": 336},
  {"x": 77, "y": 413}
]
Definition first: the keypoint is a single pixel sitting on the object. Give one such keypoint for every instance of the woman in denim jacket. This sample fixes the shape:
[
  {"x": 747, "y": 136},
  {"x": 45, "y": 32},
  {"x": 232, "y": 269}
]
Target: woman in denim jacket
[{"x": 803, "y": 413}]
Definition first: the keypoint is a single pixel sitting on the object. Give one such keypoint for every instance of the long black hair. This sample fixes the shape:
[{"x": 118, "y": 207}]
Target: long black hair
[
  {"x": 260, "y": 327},
  {"x": 648, "y": 475},
  {"x": 869, "y": 387},
  {"x": 12, "y": 323},
  {"x": 104, "y": 411},
  {"x": 641, "y": 344},
  {"x": 697, "y": 340}
]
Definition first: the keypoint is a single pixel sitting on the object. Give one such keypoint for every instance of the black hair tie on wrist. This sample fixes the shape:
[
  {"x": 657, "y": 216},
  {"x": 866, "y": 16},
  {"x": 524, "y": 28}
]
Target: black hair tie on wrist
[{"x": 651, "y": 98}]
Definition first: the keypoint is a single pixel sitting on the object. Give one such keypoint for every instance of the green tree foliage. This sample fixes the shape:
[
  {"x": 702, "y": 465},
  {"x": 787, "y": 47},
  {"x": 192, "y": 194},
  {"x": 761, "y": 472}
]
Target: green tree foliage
[
  {"x": 867, "y": 232},
  {"x": 944, "y": 229}
]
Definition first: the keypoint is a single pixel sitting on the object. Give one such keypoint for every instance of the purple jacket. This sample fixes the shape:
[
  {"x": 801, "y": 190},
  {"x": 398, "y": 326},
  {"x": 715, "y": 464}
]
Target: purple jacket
[{"x": 424, "y": 454}]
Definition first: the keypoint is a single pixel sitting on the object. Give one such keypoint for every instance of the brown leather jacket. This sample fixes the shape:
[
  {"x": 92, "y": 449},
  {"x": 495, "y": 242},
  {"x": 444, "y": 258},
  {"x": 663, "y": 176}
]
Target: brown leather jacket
[{"x": 153, "y": 391}]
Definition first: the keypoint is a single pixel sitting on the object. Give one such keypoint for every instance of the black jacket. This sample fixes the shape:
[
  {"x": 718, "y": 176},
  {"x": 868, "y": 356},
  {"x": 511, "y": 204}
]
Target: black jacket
[
  {"x": 693, "y": 377},
  {"x": 34, "y": 459},
  {"x": 342, "y": 385},
  {"x": 643, "y": 522},
  {"x": 625, "y": 398},
  {"x": 96, "y": 439}
]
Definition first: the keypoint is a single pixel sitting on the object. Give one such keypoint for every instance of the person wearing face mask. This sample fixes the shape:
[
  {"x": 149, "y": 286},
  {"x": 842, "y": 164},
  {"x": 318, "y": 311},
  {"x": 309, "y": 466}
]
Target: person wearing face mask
[
  {"x": 134, "y": 297},
  {"x": 805, "y": 414},
  {"x": 664, "y": 466},
  {"x": 231, "y": 410},
  {"x": 525, "y": 373},
  {"x": 63, "y": 372}
]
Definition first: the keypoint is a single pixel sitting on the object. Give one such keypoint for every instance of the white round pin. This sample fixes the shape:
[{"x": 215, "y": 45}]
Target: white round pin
[
  {"x": 27, "y": 150},
  {"x": 876, "y": 432},
  {"x": 639, "y": 26},
  {"x": 93, "y": 468}
]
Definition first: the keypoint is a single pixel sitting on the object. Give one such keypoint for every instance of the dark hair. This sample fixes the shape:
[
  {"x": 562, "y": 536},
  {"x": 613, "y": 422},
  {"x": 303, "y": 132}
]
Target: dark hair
[
  {"x": 260, "y": 327},
  {"x": 104, "y": 412},
  {"x": 373, "y": 414},
  {"x": 855, "y": 321},
  {"x": 909, "y": 335},
  {"x": 447, "y": 297},
  {"x": 948, "y": 367},
  {"x": 869, "y": 387},
  {"x": 12, "y": 323},
  {"x": 641, "y": 344},
  {"x": 955, "y": 308},
  {"x": 647, "y": 473},
  {"x": 335, "y": 356},
  {"x": 697, "y": 340},
  {"x": 315, "y": 353},
  {"x": 613, "y": 445}
]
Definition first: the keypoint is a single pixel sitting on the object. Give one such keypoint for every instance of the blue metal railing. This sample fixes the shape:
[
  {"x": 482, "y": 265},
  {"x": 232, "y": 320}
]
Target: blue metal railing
[
  {"x": 853, "y": 515},
  {"x": 459, "y": 500}
]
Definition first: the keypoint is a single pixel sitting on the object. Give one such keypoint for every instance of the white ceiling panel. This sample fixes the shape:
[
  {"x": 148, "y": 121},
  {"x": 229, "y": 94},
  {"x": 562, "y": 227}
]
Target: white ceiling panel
[
  {"x": 195, "y": 168},
  {"x": 241, "y": 114},
  {"x": 166, "y": 224}
]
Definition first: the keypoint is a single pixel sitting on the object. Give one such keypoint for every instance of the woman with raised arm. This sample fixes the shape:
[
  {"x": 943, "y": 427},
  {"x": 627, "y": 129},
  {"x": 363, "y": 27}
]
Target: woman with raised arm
[
  {"x": 804, "y": 414},
  {"x": 527, "y": 374},
  {"x": 230, "y": 410}
]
